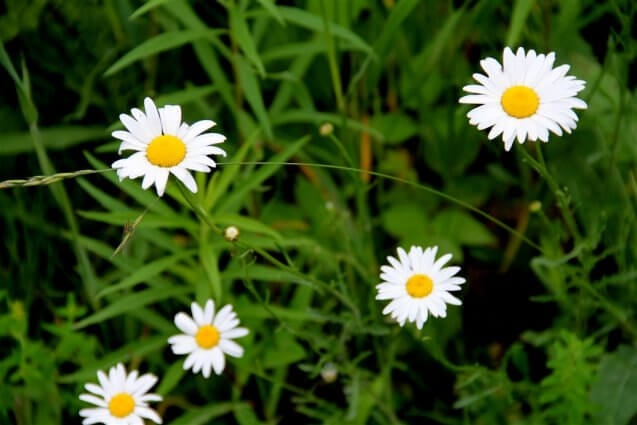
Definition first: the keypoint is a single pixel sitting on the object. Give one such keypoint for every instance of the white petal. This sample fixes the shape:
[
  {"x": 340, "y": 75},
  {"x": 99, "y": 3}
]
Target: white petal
[
  {"x": 149, "y": 178},
  {"x": 143, "y": 384},
  {"x": 207, "y": 150},
  {"x": 131, "y": 379},
  {"x": 185, "y": 177},
  {"x": 222, "y": 315},
  {"x": 209, "y": 312},
  {"x": 197, "y": 314},
  {"x": 231, "y": 348},
  {"x": 153, "y": 117},
  {"x": 182, "y": 344},
  {"x": 227, "y": 324},
  {"x": 150, "y": 398},
  {"x": 190, "y": 164},
  {"x": 190, "y": 360},
  {"x": 234, "y": 333},
  {"x": 170, "y": 119},
  {"x": 478, "y": 99},
  {"x": 450, "y": 299},
  {"x": 93, "y": 400},
  {"x": 218, "y": 360},
  {"x": 147, "y": 413},
  {"x": 186, "y": 324},
  {"x": 95, "y": 389},
  {"x": 207, "y": 139},
  {"x": 442, "y": 261},
  {"x": 161, "y": 179},
  {"x": 206, "y": 368},
  {"x": 144, "y": 126},
  {"x": 197, "y": 128},
  {"x": 105, "y": 383}
]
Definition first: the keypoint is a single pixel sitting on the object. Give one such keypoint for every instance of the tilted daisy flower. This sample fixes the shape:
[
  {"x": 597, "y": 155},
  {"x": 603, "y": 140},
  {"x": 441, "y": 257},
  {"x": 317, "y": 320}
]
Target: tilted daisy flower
[
  {"x": 165, "y": 146},
  {"x": 121, "y": 398},
  {"x": 524, "y": 98},
  {"x": 418, "y": 285},
  {"x": 207, "y": 337}
]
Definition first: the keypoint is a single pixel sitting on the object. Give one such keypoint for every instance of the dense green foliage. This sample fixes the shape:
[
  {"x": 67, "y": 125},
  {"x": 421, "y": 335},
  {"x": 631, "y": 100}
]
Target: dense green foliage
[{"x": 547, "y": 240}]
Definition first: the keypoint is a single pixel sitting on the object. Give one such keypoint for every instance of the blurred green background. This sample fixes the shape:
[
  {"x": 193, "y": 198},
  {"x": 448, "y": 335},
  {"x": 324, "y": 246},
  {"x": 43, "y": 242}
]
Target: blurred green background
[{"x": 544, "y": 336}]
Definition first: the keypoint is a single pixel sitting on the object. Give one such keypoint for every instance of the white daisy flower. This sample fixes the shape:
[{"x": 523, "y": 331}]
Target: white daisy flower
[
  {"x": 165, "y": 145},
  {"x": 524, "y": 98},
  {"x": 121, "y": 398},
  {"x": 207, "y": 337},
  {"x": 418, "y": 285}
]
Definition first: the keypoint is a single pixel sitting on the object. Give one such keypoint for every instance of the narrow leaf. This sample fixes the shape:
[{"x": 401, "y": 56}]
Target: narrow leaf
[{"x": 160, "y": 43}]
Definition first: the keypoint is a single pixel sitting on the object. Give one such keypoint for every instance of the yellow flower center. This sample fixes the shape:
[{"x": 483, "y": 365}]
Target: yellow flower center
[
  {"x": 166, "y": 151},
  {"x": 121, "y": 405},
  {"x": 520, "y": 101},
  {"x": 419, "y": 286},
  {"x": 207, "y": 336}
]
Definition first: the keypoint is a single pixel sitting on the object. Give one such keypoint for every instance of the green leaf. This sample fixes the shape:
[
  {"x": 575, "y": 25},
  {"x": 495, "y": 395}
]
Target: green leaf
[
  {"x": 146, "y": 7},
  {"x": 162, "y": 42},
  {"x": 252, "y": 91},
  {"x": 385, "y": 41},
  {"x": 615, "y": 390},
  {"x": 423, "y": 63},
  {"x": 242, "y": 35},
  {"x": 137, "y": 348},
  {"x": 224, "y": 178},
  {"x": 234, "y": 199},
  {"x": 102, "y": 197},
  {"x": 403, "y": 219},
  {"x": 395, "y": 127},
  {"x": 318, "y": 118},
  {"x": 206, "y": 55},
  {"x": 131, "y": 302},
  {"x": 315, "y": 23},
  {"x": 245, "y": 415},
  {"x": 272, "y": 10},
  {"x": 261, "y": 273},
  {"x": 367, "y": 399},
  {"x": 462, "y": 227},
  {"x": 171, "y": 378},
  {"x": 521, "y": 10},
  {"x": 283, "y": 351},
  {"x": 209, "y": 260},
  {"x": 151, "y": 220},
  {"x": 203, "y": 415},
  {"x": 54, "y": 138},
  {"x": 145, "y": 273},
  {"x": 187, "y": 95},
  {"x": 146, "y": 198},
  {"x": 248, "y": 224}
]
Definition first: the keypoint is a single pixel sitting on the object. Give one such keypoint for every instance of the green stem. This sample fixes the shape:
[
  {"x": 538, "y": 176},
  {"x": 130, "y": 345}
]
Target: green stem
[
  {"x": 266, "y": 255},
  {"x": 609, "y": 306},
  {"x": 62, "y": 198},
  {"x": 562, "y": 202},
  {"x": 331, "y": 57},
  {"x": 412, "y": 183},
  {"x": 436, "y": 192}
]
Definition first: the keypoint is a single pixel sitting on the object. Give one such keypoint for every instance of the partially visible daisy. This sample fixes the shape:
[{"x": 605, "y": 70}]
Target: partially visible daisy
[
  {"x": 525, "y": 98},
  {"x": 418, "y": 285},
  {"x": 165, "y": 146},
  {"x": 207, "y": 337},
  {"x": 121, "y": 398}
]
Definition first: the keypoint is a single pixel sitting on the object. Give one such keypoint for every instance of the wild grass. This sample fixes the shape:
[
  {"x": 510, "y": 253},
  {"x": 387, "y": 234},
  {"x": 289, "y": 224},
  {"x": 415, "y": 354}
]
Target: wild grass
[{"x": 345, "y": 140}]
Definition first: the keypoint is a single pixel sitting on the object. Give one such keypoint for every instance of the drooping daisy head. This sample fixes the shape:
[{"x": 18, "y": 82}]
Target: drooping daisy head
[
  {"x": 524, "y": 98},
  {"x": 418, "y": 285},
  {"x": 207, "y": 337},
  {"x": 165, "y": 145},
  {"x": 121, "y": 398}
]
